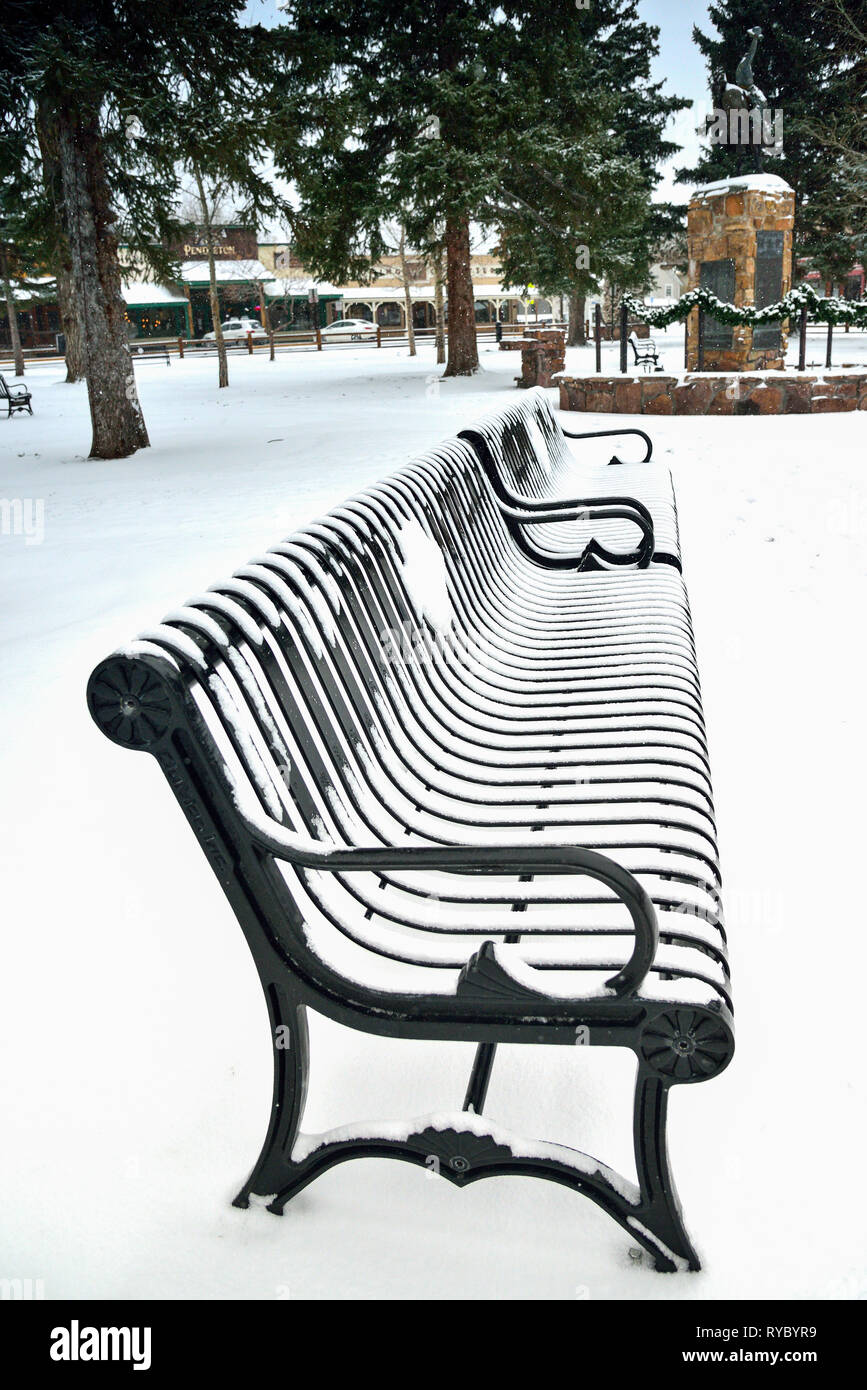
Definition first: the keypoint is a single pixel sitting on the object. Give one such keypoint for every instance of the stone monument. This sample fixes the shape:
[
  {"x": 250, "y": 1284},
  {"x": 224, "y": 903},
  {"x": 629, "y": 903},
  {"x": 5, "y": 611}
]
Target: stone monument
[{"x": 739, "y": 238}]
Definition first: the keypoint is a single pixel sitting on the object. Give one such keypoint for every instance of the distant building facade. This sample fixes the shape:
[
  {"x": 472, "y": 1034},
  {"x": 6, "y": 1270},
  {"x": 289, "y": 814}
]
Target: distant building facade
[
  {"x": 381, "y": 299},
  {"x": 267, "y": 282},
  {"x": 666, "y": 283}
]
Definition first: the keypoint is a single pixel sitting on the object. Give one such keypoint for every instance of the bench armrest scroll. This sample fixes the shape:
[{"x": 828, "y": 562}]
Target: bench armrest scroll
[
  {"x": 525, "y": 511},
  {"x": 484, "y": 859},
  {"x": 599, "y": 509},
  {"x": 605, "y": 434}
]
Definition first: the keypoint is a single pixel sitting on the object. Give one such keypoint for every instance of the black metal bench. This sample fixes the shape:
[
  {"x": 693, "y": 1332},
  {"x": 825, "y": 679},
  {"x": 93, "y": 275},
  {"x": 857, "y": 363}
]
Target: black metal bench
[
  {"x": 526, "y": 454},
  {"x": 16, "y": 397},
  {"x": 452, "y": 791},
  {"x": 646, "y": 353},
  {"x": 146, "y": 349}
]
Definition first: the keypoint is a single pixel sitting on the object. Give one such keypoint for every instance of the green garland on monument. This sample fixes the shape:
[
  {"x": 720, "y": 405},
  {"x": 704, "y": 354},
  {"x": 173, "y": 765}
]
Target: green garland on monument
[{"x": 834, "y": 311}]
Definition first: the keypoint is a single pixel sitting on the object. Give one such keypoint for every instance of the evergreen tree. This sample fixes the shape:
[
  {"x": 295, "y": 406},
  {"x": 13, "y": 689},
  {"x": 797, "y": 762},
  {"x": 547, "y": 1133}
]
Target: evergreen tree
[
  {"x": 799, "y": 67},
  {"x": 578, "y": 236},
  {"x": 581, "y": 234},
  {"x": 450, "y": 110},
  {"x": 108, "y": 82},
  {"x": 839, "y": 211},
  {"x": 29, "y": 212}
]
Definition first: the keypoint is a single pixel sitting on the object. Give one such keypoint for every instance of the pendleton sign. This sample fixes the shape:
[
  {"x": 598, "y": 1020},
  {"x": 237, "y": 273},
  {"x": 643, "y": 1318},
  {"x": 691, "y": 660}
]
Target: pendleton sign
[
  {"x": 197, "y": 253},
  {"x": 232, "y": 243}
]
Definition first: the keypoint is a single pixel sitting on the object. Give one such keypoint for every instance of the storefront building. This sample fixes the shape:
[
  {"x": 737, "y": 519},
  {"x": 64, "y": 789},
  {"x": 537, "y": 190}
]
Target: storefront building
[
  {"x": 266, "y": 282},
  {"x": 153, "y": 311},
  {"x": 383, "y": 300},
  {"x": 38, "y": 315},
  {"x": 289, "y": 288},
  {"x": 183, "y": 309},
  {"x": 851, "y": 286}
]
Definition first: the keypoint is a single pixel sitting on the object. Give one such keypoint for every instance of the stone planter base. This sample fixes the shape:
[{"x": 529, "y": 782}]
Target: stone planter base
[
  {"x": 785, "y": 393},
  {"x": 543, "y": 353}
]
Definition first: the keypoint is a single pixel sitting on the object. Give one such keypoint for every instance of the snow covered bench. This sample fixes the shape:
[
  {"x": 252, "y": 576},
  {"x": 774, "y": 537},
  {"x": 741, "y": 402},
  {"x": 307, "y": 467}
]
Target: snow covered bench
[
  {"x": 17, "y": 397},
  {"x": 451, "y": 792},
  {"x": 146, "y": 349},
  {"x": 646, "y": 353},
  {"x": 525, "y": 453}
]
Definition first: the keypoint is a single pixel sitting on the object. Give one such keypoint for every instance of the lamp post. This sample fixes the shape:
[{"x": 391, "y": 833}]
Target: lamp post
[{"x": 313, "y": 301}]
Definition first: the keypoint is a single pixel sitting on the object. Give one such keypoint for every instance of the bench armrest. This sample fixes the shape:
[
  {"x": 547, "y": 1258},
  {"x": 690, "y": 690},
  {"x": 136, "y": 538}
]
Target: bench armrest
[
  {"x": 604, "y": 434},
  {"x": 481, "y": 859},
  {"x": 599, "y": 509},
  {"x": 519, "y": 510}
]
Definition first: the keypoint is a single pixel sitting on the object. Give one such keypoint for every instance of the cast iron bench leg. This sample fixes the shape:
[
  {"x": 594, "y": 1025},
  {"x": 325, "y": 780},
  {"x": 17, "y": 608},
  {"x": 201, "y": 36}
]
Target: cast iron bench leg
[
  {"x": 290, "y": 1041},
  {"x": 660, "y": 1210}
]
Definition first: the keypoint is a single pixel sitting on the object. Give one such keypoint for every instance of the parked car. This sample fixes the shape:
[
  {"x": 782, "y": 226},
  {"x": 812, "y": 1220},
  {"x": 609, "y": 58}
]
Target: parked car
[
  {"x": 354, "y": 329},
  {"x": 236, "y": 330}
]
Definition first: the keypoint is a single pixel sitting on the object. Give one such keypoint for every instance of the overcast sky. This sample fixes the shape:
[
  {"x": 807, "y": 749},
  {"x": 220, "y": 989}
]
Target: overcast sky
[{"x": 682, "y": 65}]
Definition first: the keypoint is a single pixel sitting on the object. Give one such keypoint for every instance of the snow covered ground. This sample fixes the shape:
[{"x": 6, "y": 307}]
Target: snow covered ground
[{"x": 135, "y": 1078}]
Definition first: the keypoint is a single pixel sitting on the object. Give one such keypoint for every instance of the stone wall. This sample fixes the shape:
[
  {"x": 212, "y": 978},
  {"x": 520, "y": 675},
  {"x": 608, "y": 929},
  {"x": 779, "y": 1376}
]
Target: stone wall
[
  {"x": 722, "y": 224},
  {"x": 640, "y": 330},
  {"x": 783, "y": 393},
  {"x": 543, "y": 354}
]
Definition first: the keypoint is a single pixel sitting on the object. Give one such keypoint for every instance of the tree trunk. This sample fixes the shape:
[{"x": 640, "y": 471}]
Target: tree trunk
[
  {"x": 463, "y": 355},
  {"x": 118, "y": 423},
  {"x": 69, "y": 323},
  {"x": 266, "y": 312},
  {"x": 222, "y": 359},
  {"x": 439, "y": 309},
  {"x": 11, "y": 313},
  {"x": 407, "y": 298},
  {"x": 577, "y": 332}
]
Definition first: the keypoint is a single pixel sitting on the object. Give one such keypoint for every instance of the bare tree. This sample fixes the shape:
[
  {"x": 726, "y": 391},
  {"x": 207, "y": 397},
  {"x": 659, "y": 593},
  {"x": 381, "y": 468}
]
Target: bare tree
[
  {"x": 209, "y": 205},
  {"x": 11, "y": 310},
  {"x": 394, "y": 234},
  {"x": 435, "y": 261},
  {"x": 407, "y": 297},
  {"x": 439, "y": 305}
]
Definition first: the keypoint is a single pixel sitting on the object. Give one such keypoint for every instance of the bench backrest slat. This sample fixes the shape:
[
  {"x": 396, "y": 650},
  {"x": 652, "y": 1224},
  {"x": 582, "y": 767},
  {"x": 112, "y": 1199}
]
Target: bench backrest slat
[{"x": 305, "y": 672}]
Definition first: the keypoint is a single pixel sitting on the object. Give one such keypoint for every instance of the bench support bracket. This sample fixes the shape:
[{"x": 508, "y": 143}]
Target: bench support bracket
[{"x": 463, "y": 1147}]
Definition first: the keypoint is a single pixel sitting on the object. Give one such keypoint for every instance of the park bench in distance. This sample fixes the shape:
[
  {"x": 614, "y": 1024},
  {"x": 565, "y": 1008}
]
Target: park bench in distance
[
  {"x": 646, "y": 353},
  {"x": 452, "y": 791},
  {"x": 139, "y": 349},
  {"x": 16, "y": 397}
]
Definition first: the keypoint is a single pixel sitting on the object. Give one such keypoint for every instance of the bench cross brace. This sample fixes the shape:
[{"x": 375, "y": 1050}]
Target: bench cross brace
[{"x": 464, "y": 1148}]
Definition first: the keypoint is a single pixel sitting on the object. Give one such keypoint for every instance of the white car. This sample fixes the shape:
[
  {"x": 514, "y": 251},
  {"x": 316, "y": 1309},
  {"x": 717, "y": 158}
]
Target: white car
[
  {"x": 354, "y": 329},
  {"x": 236, "y": 330}
]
